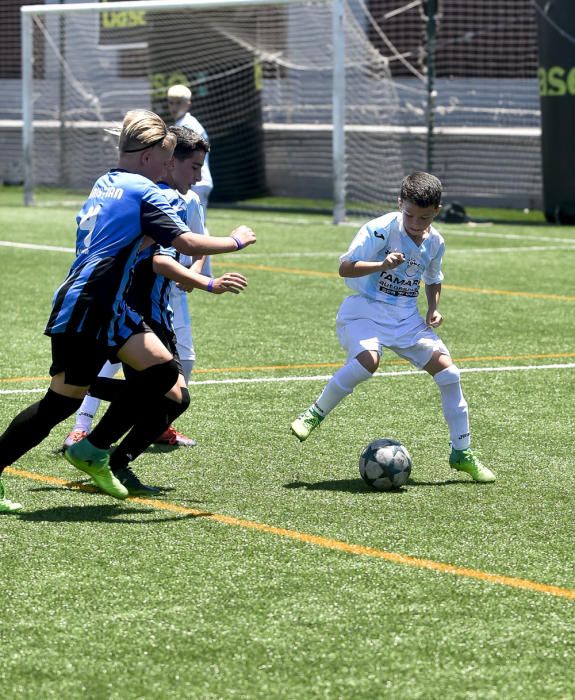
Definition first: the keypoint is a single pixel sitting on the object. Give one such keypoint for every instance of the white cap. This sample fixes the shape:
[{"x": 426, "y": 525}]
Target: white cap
[{"x": 180, "y": 92}]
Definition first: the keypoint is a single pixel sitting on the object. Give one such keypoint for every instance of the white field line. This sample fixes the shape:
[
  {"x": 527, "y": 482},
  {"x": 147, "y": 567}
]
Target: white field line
[
  {"x": 505, "y": 236},
  {"x": 37, "y": 246},
  {"x": 323, "y": 254},
  {"x": 325, "y": 377},
  {"x": 451, "y": 251}
]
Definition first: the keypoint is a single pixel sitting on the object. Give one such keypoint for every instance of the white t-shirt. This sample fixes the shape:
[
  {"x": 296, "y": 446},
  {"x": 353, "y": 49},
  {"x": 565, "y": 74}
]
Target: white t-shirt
[
  {"x": 195, "y": 222},
  {"x": 398, "y": 287}
]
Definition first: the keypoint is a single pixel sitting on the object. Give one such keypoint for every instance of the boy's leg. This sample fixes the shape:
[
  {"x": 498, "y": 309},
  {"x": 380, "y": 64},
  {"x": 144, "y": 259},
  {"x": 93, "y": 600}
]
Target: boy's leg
[
  {"x": 456, "y": 415},
  {"x": 182, "y": 344},
  {"x": 87, "y": 411},
  {"x": 28, "y": 429},
  {"x": 156, "y": 373},
  {"x": 33, "y": 424},
  {"x": 454, "y": 406},
  {"x": 138, "y": 440},
  {"x": 339, "y": 386},
  {"x": 143, "y": 392}
]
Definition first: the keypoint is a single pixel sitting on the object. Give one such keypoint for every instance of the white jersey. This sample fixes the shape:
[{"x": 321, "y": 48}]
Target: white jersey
[
  {"x": 206, "y": 184},
  {"x": 195, "y": 220},
  {"x": 399, "y": 287},
  {"x": 179, "y": 298}
]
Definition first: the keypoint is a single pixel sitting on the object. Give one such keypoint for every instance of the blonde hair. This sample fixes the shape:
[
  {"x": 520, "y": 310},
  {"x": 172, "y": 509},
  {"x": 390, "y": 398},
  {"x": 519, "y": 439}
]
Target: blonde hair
[
  {"x": 143, "y": 129},
  {"x": 179, "y": 92}
]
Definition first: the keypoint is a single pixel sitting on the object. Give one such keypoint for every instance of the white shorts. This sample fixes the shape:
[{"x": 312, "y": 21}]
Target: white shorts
[
  {"x": 182, "y": 325},
  {"x": 365, "y": 324}
]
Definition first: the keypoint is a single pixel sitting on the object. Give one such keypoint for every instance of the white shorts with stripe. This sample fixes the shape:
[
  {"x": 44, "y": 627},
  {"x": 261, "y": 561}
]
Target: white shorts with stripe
[{"x": 366, "y": 324}]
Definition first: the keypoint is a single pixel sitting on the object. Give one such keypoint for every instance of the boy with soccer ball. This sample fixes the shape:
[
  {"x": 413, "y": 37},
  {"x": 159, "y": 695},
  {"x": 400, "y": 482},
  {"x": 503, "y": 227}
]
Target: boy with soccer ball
[{"x": 384, "y": 265}]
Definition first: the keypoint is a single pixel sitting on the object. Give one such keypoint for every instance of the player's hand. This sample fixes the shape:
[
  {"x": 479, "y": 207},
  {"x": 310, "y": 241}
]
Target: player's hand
[
  {"x": 186, "y": 286},
  {"x": 244, "y": 234},
  {"x": 229, "y": 282},
  {"x": 393, "y": 260},
  {"x": 434, "y": 319}
]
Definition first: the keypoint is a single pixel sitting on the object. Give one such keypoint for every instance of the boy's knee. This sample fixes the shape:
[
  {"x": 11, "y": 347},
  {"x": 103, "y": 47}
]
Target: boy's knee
[
  {"x": 160, "y": 378},
  {"x": 369, "y": 360},
  {"x": 449, "y": 375}
]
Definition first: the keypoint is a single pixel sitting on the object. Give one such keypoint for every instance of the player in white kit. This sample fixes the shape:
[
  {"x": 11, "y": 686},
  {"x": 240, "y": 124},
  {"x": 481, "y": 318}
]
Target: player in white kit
[
  {"x": 384, "y": 265},
  {"x": 179, "y": 104}
]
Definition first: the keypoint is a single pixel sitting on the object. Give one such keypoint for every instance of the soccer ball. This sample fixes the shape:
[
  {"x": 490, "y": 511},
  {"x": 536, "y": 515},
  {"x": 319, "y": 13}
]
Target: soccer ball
[{"x": 385, "y": 464}]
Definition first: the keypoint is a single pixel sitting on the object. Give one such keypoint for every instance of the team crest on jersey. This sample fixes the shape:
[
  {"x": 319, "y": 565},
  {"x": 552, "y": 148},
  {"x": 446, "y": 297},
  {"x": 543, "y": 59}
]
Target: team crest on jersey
[{"x": 413, "y": 267}]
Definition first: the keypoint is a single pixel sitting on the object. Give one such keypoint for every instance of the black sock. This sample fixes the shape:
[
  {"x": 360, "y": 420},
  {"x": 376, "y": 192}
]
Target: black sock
[
  {"x": 107, "y": 388},
  {"x": 146, "y": 430},
  {"x": 142, "y": 393},
  {"x": 33, "y": 424}
]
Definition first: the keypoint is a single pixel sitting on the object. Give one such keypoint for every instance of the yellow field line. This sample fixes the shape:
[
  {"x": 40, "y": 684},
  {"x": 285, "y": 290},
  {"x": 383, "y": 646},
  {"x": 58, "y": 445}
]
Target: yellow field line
[
  {"x": 508, "y": 292},
  {"x": 457, "y": 288},
  {"x": 325, "y": 542},
  {"x": 319, "y": 365}
]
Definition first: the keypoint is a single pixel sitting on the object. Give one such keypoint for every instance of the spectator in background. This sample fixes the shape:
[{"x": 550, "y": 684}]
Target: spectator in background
[{"x": 179, "y": 104}]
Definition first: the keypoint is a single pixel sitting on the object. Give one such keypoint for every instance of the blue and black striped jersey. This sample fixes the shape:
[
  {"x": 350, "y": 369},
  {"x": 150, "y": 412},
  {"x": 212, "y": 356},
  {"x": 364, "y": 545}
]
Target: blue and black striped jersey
[
  {"x": 121, "y": 209},
  {"x": 149, "y": 293}
]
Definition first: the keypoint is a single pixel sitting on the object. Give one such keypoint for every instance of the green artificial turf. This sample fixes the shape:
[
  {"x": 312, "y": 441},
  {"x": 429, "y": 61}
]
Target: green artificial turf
[{"x": 248, "y": 591}]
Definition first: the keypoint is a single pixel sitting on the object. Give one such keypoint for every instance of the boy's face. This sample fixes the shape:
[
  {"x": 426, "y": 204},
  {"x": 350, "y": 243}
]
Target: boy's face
[
  {"x": 417, "y": 220},
  {"x": 178, "y": 107},
  {"x": 187, "y": 172}
]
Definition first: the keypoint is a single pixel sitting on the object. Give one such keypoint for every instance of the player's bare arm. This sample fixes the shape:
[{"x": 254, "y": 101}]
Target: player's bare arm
[
  {"x": 360, "y": 268},
  {"x": 433, "y": 318},
  {"x": 232, "y": 282},
  {"x": 188, "y": 279},
  {"x": 195, "y": 244}
]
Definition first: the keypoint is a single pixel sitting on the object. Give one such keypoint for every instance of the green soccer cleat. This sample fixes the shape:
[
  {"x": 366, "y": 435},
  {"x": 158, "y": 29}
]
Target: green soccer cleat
[
  {"x": 466, "y": 461},
  {"x": 7, "y": 506},
  {"x": 94, "y": 462},
  {"x": 306, "y": 422}
]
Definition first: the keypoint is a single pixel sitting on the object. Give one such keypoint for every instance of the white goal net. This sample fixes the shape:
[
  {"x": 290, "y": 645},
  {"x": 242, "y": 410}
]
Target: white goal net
[{"x": 296, "y": 104}]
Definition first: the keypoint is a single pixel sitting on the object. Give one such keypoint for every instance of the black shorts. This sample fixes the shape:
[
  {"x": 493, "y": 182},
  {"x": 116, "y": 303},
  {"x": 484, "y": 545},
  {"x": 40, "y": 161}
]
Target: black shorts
[{"x": 79, "y": 357}]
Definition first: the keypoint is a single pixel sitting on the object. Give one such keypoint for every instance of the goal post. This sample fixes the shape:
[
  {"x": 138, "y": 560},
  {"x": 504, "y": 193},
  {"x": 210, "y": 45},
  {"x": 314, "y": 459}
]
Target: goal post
[{"x": 28, "y": 12}]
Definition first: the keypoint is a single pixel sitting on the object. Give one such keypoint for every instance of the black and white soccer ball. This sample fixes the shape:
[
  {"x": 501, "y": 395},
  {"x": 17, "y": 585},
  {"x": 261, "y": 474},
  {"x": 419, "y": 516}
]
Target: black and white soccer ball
[{"x": 385, "y": 464}]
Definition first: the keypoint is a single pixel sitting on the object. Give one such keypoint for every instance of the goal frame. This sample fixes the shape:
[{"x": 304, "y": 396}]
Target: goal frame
[{"x": 338, "y": 75}]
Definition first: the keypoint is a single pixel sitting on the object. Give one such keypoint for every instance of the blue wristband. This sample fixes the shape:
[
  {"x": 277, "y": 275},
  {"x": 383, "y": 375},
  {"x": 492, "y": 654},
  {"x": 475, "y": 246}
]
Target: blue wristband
[
  {"x": 239, "y": 244},
  {"x": 211, "y": 285}
]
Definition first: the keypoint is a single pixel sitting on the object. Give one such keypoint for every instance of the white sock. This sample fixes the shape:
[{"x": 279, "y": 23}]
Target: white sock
[
  {"x": 187, "y": 367},
  {"x": 87, "y": 411},
  {"x": 454, "y": 406},
  {"x": 341, "y": 385}
]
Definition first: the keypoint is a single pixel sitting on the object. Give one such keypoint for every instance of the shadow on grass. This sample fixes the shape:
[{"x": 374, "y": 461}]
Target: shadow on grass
[
  {"x": 348, "y": 485},
  {"x": 359, "y": 486},
  {"x": 159, "y": 449},
  {"x": 111, "y": 513}
]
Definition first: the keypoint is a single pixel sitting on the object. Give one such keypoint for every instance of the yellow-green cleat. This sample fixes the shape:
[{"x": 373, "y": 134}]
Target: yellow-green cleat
[
  {"x": 306, "y": 422},
  {"x": 6, "y": 505},
  {"x": 466, "y": 461},
  {"x": 95, "y": 462}
]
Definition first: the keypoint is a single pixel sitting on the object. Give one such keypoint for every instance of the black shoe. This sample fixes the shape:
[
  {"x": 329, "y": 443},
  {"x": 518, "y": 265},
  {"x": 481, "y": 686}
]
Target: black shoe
[{"x": 135, "y": 487}]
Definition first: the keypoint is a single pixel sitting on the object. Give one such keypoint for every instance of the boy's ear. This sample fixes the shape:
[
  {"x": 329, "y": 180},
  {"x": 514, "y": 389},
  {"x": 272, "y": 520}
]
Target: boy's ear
[{"x": 399, "y": 202}]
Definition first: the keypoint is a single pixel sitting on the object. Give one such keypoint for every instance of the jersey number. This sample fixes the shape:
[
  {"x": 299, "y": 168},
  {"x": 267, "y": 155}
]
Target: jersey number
[{"x": 88, "y": 223}]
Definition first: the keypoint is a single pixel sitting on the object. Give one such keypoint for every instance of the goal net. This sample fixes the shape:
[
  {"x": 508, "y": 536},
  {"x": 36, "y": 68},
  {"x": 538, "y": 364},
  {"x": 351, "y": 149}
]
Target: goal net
[
  {"x": 262, "y": 79},
  {"x": 326, "y": 100}
]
